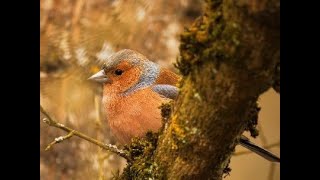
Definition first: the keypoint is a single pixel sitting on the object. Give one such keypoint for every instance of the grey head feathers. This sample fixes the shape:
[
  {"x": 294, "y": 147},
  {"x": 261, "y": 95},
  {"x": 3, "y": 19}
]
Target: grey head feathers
[
  {"x": 131, "y": 56},
  {"x": 150, "y": 70},
  {"x": 150, "y": 73}
]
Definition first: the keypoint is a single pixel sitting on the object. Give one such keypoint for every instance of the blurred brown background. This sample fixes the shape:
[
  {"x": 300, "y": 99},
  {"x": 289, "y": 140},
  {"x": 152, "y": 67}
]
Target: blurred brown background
[{"x": 75, "y": 35}]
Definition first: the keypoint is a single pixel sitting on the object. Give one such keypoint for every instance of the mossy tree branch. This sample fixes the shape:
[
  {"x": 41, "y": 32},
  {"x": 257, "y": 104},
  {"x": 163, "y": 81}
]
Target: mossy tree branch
[{"x": 227, "y": 57}]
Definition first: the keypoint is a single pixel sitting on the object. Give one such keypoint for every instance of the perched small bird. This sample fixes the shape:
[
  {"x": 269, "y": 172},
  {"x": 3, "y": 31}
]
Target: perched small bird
[{"x": 133, "y": 90}]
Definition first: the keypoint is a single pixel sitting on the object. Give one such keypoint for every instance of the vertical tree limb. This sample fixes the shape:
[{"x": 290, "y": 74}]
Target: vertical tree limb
[{"x": 228, "y": 59}]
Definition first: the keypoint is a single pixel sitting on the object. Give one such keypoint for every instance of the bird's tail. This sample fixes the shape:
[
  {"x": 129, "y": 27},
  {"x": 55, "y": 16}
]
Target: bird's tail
[{"x": 245, "y": 142}]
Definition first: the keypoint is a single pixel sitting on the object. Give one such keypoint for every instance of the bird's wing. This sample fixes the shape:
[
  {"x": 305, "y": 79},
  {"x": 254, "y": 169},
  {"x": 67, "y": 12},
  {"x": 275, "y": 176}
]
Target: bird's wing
[
  {"x": 167, "y": 77},
  {"x": 166, "y": 90},
  {"x": 245, "y": 142}
]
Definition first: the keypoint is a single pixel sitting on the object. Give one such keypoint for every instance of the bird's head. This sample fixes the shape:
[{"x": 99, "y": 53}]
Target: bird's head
[{"x": 126, "y": 71}]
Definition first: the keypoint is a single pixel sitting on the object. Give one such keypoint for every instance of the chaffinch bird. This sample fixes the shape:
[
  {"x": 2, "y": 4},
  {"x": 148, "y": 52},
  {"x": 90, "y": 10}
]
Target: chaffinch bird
[{"x": 133, "y": 90}]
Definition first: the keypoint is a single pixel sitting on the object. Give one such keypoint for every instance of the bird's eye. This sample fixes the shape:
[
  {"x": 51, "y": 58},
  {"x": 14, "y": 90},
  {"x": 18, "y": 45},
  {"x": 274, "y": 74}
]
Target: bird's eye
[{"x": 118, "y": 72}]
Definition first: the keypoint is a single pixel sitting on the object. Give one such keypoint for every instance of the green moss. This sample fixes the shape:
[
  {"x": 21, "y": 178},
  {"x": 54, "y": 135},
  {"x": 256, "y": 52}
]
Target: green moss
[
  {"x": 141, "y": 152},
  {"x": 202, "y": 36},
  {"x": 184, "y": 138},
  {"x": 179, "y": 136},
  {"x": 166, "y": 109},
  {"x": 216, "y": 31},
  {"x": 210, "y": 38}
]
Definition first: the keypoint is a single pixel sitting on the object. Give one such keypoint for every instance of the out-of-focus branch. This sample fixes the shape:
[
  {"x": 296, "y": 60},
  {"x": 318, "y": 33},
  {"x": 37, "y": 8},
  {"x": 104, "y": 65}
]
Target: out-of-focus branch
[
  {"x": 101, "y": 155},
  {"x": 48, "y": 120},
  {"x": 271, "y": 171}
]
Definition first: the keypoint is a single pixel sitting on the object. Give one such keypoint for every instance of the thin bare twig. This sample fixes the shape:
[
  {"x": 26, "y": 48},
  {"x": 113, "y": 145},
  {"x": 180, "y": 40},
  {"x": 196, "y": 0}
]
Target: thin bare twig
[
  {"x": 59, "y": 139},
  {"x": 108, "y": 147}
]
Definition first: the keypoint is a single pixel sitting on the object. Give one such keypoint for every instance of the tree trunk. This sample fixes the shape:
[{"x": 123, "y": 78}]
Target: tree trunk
[{"x": 228, "y": 57}]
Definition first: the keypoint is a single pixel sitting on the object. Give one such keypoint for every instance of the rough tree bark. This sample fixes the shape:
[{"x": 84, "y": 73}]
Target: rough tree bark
[{"x": 228, "y": 57}]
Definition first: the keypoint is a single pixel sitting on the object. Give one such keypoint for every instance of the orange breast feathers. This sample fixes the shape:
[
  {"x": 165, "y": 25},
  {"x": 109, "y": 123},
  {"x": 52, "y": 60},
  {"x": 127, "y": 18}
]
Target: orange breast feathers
[{"x": 134, "y": 115}]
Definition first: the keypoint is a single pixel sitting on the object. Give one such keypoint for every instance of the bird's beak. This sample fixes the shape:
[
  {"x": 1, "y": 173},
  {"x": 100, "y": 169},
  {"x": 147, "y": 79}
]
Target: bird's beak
[{"x": 100, "y": 77}]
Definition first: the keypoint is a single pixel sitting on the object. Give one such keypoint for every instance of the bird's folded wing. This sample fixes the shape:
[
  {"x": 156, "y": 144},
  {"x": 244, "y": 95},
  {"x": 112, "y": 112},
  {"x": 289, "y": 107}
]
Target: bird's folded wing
[{"x": 166, "y": 90}]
